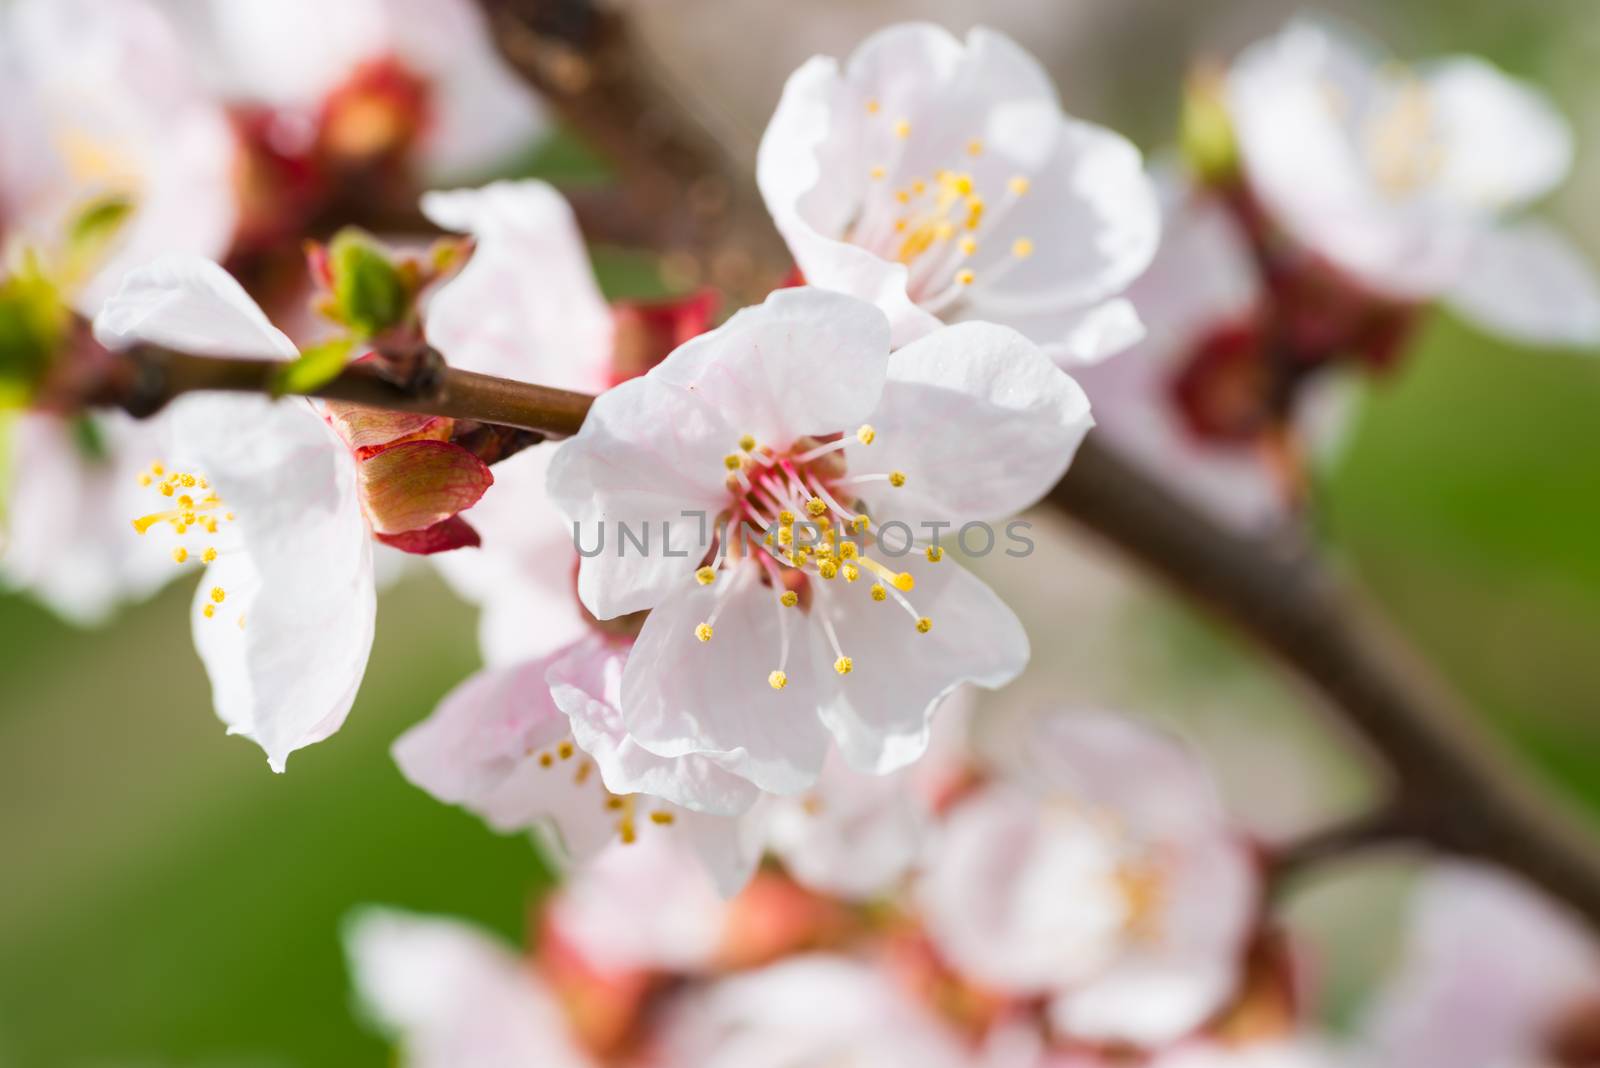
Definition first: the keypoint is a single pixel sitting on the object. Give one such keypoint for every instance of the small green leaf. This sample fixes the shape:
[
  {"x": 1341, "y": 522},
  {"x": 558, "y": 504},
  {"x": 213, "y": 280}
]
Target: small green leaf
[
  {"x": 317, "y": 366},
  {"x": 33, "y": 322},
  {"x": 369, "y": 292},
  {"x": 97, "y": 224}
]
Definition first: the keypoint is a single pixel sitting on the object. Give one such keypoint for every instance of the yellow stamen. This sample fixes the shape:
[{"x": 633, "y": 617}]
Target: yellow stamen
[
  {"x": 844, "y": 665},
  {"x": 851, "y": 572},
  {"x": 901, "y": 581},
  {"x": 218, "y": 594},
  {"x": 827, "y": 569},
  {"x": 872, "y": 107},
  {"x": 902, "y": 129},
  {"x": 706, "y": 575},
  {"x": 564, "y": 750},
  {"x": 1022, "y": 248},
  {"x": 897, "y": 479},
  {"x": 965, "y": 276},
  {"x": 878, "y": 174},
  {"x": 860, "y": 524},
  {"x": 816, "y": 508},
  {"x": 935, "y": 554},
  {"x": 865, "y": 434},
  {"x": 777, "y": 680},
  {"x": 660, "y": 818},
  {"x": 703, "y": 631},
  {"x": 1018, "y": 185},
  {"x": 974, "y": 148},
  {"x": 208, "y": 611},
  {"x": 968, "y": 246},
  {"x": 789, "y": 599},
  {"x": 546, "y": 759},
  {"x": 732, "y": 462},
  {"x": 747, "y": 443},
  {"x": 924, "y": 625},
  {"x": 179, "y": 555},
  {"x": 879, "y": 593},
  {"x": 209, "y": 556}
]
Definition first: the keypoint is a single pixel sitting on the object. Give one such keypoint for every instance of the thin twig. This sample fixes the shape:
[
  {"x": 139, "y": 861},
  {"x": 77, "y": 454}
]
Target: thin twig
[{"x": 1381, "y": 826}]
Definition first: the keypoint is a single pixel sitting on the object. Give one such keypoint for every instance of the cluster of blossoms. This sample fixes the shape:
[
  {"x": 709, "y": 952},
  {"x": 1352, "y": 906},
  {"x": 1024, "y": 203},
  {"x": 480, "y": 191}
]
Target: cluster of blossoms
[{"x": 728, "y": 641}]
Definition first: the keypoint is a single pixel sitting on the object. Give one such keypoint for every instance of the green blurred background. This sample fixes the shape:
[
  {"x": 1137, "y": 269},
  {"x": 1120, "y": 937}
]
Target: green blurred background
[{"x": 165, "y": 900}]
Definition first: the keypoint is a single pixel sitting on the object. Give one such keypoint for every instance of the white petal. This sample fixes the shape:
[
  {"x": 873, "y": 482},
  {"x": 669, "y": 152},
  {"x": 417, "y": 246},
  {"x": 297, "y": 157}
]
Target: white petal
[
  {"x": 526, "y": 306},
  {"x": 1085, "y": 336},
  {"x": 647, "y": 465},
  {"x": 191, "y": 305},
  {"x": 880, "y": 713},
  {"x": 979, "y": 420},
  {"x": 586, "y": 684},
  {"x": 1505, "y": 144},
  {"x": 1528, "y": 283},
  {"x": 805, "y": 361},
  {"x": 485, "y": 748},
  {"x": 287, "y": 652},
  {"x": 1167, "y": 986},
  {"x": 682, "y": 696},
  {"x": 452, "y": 995}
]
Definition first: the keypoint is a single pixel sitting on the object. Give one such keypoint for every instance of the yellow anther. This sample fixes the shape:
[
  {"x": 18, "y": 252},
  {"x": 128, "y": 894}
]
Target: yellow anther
[
  {"x": 211, "y": 524},
  {"x": 816, "y": 508},
  {"x": 919, "y": 187},
  {"x": 747, "y": 443},
  {"x": 902, "y": 129},
  {"x": 614, "y": 803},
  {"x": 878, "y": 174},
  {"x": 903, "y": 196},
  {"x": 974, "y": 147},
  {"x": 879, "y": 593},
  {"x": 847, "y": 550},
  {"x": 897, "y": 479},
  {"x": 777, "y": 680},
  {"x": 785, "y": 518},
  {"x": 785, "y": 535},
  {"x": 968, "y": 246},
  {"x": 180, "y": 528},
  {"x": 627, "y": 832},
  {"x": 158, "y": 470},
  {"x": 546, "y": 759},
  {"x": 703, "y": 631},
  {"x": 960, "y": 184},
  {"x": 827, "y": 569},
  {"x": 944, "y": 231},
  {"x": 974, "y": 212},
  {"x": 663, "y": 819},
  {"x": 706, "y": 575},
  {"x": 179, "y": 555},
  {"x": 229, "y": 517},
  {"x": 844, "y": 665},
  {"x": 208, "y": 611},
  {"x": 185, "y": 502},
  {"x": 209, "y": 556},
  {"x": 860, "y": 524},
  {"x": 872, "y": 107},
  {"x": 865, "y": 434},
  {"x": 168, "y": 489},
  {"x": 789, "y": 599},
  {"x": 901, "y": 581},
  {"x": 924, "y": 625},
  {"x": 564, "y": 750},
  {"x": 1022, "y": 248},
  {"x": 187, "y": 480},
  {"x": 965, "y": 276},
  {"x": 218, "y": 594},
  {"x": 732, "y": 462},
  {"x": 145, "y": 479},
  {"x": 1018, "y": 185},
  {"x": 900, "y": 226},
  {"x": 581, "y": 776},
  {"x": 935, "y": 554},
  {"x": 851, "y": 572}
]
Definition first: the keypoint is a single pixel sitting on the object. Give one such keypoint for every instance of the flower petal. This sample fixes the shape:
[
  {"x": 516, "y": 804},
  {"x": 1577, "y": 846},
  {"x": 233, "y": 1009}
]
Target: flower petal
[
  {"x": 1504, "y": 142},
  {"x": 526, "y": 305},
  {"x": 683, "y": 696},
  {"x": 1528, "y": 283},
  {"x": 191, "y": 305},
  {"x": 880, "y": 713},
  {"x": 586, "y": 684},
  {"x": 413, "y": 485},
  {"x": 979, "y": 420}
]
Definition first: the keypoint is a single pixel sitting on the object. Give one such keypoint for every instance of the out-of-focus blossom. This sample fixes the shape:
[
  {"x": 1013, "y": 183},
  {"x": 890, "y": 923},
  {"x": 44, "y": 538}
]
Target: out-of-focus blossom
[
  {"x": 451, "y": 996},
  {"x": 266, "y": 495},
  {"x": 805, "y": 1011},
  {"x": 1103, "y": 876},
  {"x": 1492, "y": 976},
  {"x": 756, "y": 654},
  {"x": 361, "y": 80},
  {"x": 1411, "y": 180},
  {"x": 539, "y": 746},
  {"x": 943, "y": 182},
  {"x": 106, "y": 129}
]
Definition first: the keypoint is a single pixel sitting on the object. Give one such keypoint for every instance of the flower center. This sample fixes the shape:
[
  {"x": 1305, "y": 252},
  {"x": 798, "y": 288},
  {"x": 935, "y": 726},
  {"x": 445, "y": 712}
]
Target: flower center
[
  {"x": 788, "y": 527},
  {"x": 1403, "y": 148},
  {"x": 625, "y": 807},
  {"x": 195, "y": 514},
  {"x": 938, "y": 225}
]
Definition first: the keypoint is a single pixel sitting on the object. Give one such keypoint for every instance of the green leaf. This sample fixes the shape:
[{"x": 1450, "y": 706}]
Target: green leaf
[
  {"x": 97, "y": 224},
  {"x": 317, "y": 366},
  {"x": 33, "y": 322},
  {"x": 369, "y": 293}
]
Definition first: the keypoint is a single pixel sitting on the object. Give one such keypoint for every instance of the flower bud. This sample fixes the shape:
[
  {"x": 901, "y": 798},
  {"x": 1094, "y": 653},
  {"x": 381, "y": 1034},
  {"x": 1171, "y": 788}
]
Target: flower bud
[{"x": 370, "y": 293}]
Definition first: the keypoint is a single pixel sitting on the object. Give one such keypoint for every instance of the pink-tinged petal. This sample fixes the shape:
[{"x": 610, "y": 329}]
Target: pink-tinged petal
[
  {"x": 1505, "y": 144},
  {"x": 493, "y": 746},
  {"x": 1527, "y": 282},
  {"x": 416, "y": 484},
  {"x": 682, "y": 696},
  {"x": 981, "y": 423},
  {"x": 191, "y": 305},
  {"x": 367, "y": 430},
  {"x": 1489, "y": 967},
  {"x": 586, "y": 684},
  {"x": 881, "y": 713},
  {"x": 526, "y": 305},
  {"x": 647, "y": 465},
  {"x": 452, "y": 996},
  {"x": 1188, "y": 964},
  {"x": 1022, "y": 896},
  {"x": 287, "y": 648},
  {"x": 442, "y": 537},
  {"x": 806, "y": 361}
]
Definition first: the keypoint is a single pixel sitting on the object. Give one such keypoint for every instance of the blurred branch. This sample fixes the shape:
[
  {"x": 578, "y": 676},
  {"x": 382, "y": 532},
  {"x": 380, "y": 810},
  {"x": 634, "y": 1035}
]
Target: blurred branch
[
  {"x": 682, "y": 193},
  {"x": 1453, "y": 789}
]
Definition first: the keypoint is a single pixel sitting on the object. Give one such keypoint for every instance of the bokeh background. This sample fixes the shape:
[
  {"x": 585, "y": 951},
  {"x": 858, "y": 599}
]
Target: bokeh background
[{"x": 165, "y": 900}]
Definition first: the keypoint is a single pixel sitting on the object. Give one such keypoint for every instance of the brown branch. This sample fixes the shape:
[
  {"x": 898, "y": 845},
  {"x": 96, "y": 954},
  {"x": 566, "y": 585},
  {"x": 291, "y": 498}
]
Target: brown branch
[{"x": 682, "y": 193}]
